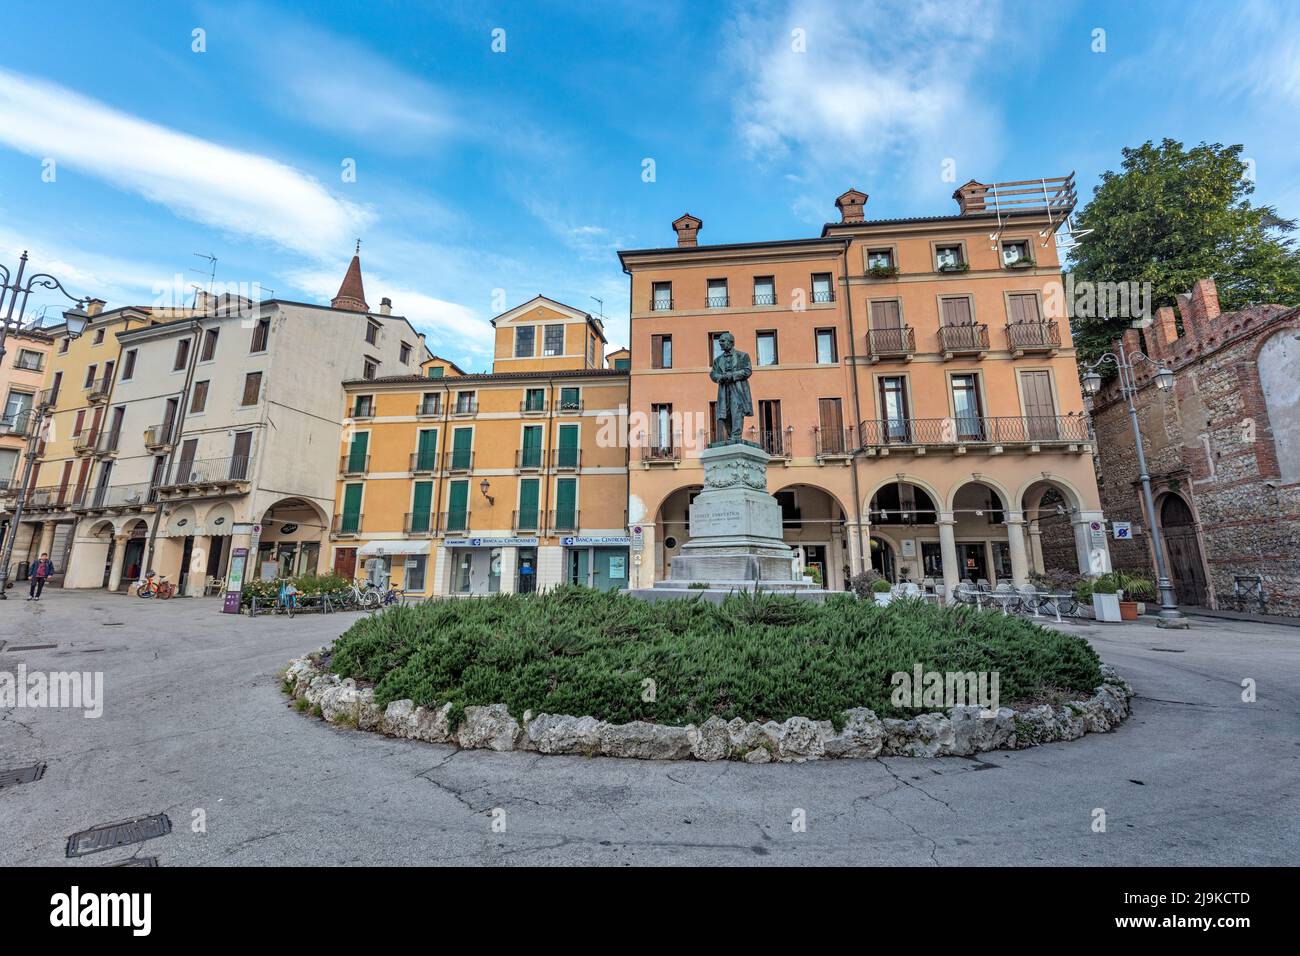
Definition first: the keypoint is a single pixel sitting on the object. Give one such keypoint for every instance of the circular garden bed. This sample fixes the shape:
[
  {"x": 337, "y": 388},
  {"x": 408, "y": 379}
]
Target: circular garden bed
[{"x": 755, "y": 677}]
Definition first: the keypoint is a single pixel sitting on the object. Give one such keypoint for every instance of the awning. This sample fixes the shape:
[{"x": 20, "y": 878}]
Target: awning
[{"x": 385, "y": 548}]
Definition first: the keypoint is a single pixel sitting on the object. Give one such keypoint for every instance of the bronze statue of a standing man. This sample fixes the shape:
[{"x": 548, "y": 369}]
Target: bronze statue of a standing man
[{"x": 731, "y": 370}]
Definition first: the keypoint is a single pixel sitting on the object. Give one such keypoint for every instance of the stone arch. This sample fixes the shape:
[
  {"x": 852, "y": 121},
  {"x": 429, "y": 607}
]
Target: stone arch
[
  {"x": 294, "y": 533},
  {"x": 670, "y": 520},
  {"x": 1179, "y": 533},
  {"x": 815, "y": 521},
  {"x": 219, "y": 520},
  {"x": 950, "y": 503},
  {"x": 182, "y": 521},
  {"x": 921, "y": 483},
  {"x": 1029, "y": 495}
]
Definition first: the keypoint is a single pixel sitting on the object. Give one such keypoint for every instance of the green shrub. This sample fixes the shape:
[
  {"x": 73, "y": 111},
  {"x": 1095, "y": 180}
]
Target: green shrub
[
  {"x": 861, "y": 583},
  {"x": 761, "y": 657},
  {"x": 881, "y": 586}
]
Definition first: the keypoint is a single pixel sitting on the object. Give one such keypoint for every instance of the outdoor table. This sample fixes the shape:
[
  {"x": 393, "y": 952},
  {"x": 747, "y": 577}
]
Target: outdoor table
[{"x": 1003, "y": 598}]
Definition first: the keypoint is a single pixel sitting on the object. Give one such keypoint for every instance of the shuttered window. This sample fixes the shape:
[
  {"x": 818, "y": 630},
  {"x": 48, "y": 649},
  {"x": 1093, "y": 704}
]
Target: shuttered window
[
  {"x": 461, "y": 442},
  {"x": 252, "y": 386},
  {"x": 566, "y": 504},
  {"x": 527, "y": 520},
  {"x": 458, "y": 506},
  {"x": 351, "y": 522},
  {"x": 421, "y": 506},
  {"x": 426, "y": 452},
  {"x": 956, "y": 311}
]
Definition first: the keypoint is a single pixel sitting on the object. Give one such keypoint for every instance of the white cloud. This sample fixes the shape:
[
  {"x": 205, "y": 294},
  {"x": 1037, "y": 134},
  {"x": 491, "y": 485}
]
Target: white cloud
[
  {"x": 236, "y": 192},
  {"x": 452, "y": 329},
  {"x": 879, "y": 82}
]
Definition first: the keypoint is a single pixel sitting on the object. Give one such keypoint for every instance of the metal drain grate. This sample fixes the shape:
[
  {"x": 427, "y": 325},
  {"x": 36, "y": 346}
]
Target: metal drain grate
[
  {"x": 30, "y": 647},
  {"x": 11, "y": 778},
  {"x": 112, "y": 835}
]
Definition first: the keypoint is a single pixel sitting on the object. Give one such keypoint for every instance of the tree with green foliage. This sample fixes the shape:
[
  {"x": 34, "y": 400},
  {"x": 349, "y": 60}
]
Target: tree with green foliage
[{"x": 1173, "y": 216}]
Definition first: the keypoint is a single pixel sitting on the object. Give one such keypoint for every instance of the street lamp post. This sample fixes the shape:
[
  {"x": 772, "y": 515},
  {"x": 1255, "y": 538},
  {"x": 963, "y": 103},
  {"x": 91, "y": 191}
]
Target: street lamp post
[
  {"x": 75, "y": 324},
  {"x": 1169, "y": 615}
]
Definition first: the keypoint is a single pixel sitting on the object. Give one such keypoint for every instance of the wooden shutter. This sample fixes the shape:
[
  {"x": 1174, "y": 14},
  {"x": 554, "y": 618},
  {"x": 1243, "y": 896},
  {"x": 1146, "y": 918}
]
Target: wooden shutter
[
  {"x": 956, "y": 311},
  {"x": 426, "y": 452},
  {"x": 457, "y": 506},
  {"x": 252, "y": 385},
  {"x": 831, "y": 422},
  {"x": 357, "y": 452},
  {"x": 352, "y": 508},
  {"x": 566, "y": 499},
  {"x": 421, "y": 505},
  {"x": 528, "y": 504},
  {"x": 460, "y": 452},
  {"x": 885, "y": 315},
  {"x": 656, "y": 351}
]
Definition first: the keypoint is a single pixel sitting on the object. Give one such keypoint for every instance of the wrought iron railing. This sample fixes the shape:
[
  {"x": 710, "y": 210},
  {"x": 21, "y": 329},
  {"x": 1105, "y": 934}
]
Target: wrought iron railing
[
  {"x": 419, "y": 522},
  {"x": 891, "y": 341},
  {"x": 453, "y": 521},
  {"x": 961, "y": 430},
  {"x": 834, "y": 442},
  {"x": 566, "y": 458},
  {"x": 718, "y": 301},
  {"x": 348, "y": 523},
  {"x": 765, "y": 298},
  {"x": 1033, "y": 335},
  {"x": 354, "y": 464},
  {"x": 459, "y": 460},
  {"x": 964, "y": 338},
  {"x": 661, "y": 453},
  {"x": 211, "y": 471},
  {"x": 156, "y": 436},
  {"x": 120, "y": 496},
  {"x": 429, "y": 409},
  {"x": 424, "y": 463},
  {"x": 564, "y": 520},
  {"x": 527, "y": 520},
  {"x": 775, "y": 443},
  {"x": 529, "y": 459}
]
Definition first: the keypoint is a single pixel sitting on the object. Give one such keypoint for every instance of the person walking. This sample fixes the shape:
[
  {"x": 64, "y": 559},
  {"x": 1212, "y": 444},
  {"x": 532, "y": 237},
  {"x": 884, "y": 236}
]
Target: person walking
[{"x": 41, "y": 571}]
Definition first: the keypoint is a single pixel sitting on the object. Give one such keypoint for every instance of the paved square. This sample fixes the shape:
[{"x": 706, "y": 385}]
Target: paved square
[{"x": 194, "y": 721}]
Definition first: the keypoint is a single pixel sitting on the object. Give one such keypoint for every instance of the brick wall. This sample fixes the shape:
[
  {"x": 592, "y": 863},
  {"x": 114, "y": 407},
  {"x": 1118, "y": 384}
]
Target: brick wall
[{"x": 1211, "y": 441}]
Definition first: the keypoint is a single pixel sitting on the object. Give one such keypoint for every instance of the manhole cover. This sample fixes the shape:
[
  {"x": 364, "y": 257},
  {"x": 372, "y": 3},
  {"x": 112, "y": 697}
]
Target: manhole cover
[
  {"x": 10, "y": 778},
  {"x": 112, "y": 835},
  {"x": 30, "y": 647},
  {"x": 136, "y": 861}
]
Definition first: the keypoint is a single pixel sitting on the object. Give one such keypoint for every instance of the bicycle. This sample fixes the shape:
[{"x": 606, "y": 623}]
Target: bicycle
[
  {"x": 391, "y": 596},
  {"x": 287, "y": 600},
  {"x": 155, "y": 586},
  {"x": 363, "y": 595}
]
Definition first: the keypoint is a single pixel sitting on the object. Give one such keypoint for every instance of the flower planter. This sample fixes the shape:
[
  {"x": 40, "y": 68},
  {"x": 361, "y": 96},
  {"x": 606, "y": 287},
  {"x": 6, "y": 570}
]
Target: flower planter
[
  {"x": 883, "y": 597},
  {"x": 1105, "y": 608},
  {"x": 1128, "y": 610}
]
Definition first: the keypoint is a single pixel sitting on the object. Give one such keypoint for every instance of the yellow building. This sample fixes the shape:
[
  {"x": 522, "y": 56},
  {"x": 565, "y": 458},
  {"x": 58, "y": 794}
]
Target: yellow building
[
  {"x": 503, "y": 481},
  {"x": 80, "y": 429}
]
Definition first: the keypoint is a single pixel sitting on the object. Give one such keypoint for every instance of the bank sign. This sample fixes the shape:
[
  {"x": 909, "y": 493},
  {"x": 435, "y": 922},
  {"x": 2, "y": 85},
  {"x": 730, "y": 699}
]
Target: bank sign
[
  {"x": 490, "y": 543},
  {"x": 586, "y": 541}
]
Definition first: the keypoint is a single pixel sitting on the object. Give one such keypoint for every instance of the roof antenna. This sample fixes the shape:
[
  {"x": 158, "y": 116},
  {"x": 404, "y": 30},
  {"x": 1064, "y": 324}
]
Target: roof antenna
[
  {"x": 601, "y": 303},
  {"x": 358, "y": 252},
  {"x": 212, "y": 273}
]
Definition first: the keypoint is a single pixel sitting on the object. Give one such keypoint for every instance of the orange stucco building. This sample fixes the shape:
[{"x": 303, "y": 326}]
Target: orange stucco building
[{"x": 919, "y": 399}]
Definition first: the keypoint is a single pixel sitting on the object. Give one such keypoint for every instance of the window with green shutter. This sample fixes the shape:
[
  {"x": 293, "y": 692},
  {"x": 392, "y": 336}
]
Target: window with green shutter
[
  {"x": 421, "y": 505},
  {"x": 528, "y": 493},
  {"x": 462, "y": 442},
  {"x": 534, "y": 400},
  {"x": 426, "y": 451},
  {"x": 435, "y": 371},
  {"x": 357, "y": 454},
  {"x": 458, "y": 506},
  {"x": 567, "y": 452},
  {"x": 566, "y": 504},
  {"x": 351, "y": 521},
  {"x": 569, "y": 398},
  {"x": 530, "y": 455}
]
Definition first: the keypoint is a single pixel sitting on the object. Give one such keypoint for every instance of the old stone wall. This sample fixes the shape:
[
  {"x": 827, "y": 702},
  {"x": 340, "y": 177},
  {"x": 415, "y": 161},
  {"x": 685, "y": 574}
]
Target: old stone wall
[{"x": 1211, "y": 440}]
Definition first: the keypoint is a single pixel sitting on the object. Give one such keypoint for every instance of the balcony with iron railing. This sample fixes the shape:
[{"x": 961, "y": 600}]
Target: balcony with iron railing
[
  {"x": 347, "y": 525},
  {"x": 886, "y": 343},
  {"x": 534, "y": 407},
  {"x": 454, "y": 522},
  {"x": 464, "y": 409},
  {"x": 529, "y": 459},
  {"x": 29, "y": 361},
  {"x": 108, "y": 442},
  {"x": 963, "y": 339},
  {"x": 566, "y": 458},
  {"x": 120, "y": 497},
  {"x": 661, "y": 454},
  {"x": 527, "y": 521},
  {"x": 207, "y": 474},
  {"x": 564, "y": 521},
  {"x": 98, "y": 390},
  {"x": 159, "y": 437},
  {"x": 833, "y": 442},
  {"x": 83, "y": 440},
  {"x": 351, "y": 464},
  {"x": 1023, "y": 337},
  {"x": 458, "y": 461},
  {"x": 718, "y": 301},
  {"x": 823, "y": 295},
  {"x": 427, "y": 409},
  {"x": 765, "y": 298},
  {"x": 776, "y": 443},
  {"x": 571, "y": 407},
  {"x": 878, "y": 435},
  {"x": 660, "y": 303},
  {"x": 419, "y": 522},
  {"x": 46, "y": 498},
  {"x": 424, "y": 463}
]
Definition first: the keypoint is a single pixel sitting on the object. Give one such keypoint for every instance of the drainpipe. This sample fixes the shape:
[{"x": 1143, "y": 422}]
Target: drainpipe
[
  {"x": 196, "y": 325},
  {"x": 863, "y": 553}
]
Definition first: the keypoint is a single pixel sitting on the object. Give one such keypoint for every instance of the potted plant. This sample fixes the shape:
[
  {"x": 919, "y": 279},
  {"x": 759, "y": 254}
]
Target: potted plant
[
  {"x": 1022, "y": 263},
  {"x": 1105, "y": 600},
  {"x": 882, "y": 272},
  {"x": 882, "y": 592},
  {"x": 1130, "y": 587},
  {"x": 862, "y": 583},
  {"x": 955, "y": 267}
]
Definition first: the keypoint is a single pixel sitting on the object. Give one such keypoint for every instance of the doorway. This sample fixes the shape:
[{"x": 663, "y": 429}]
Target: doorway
[
  {"x": 527, "y": 582},
  {"x": 973, "y": 561},
  {"x": 882, "y": 558},
  {"x": 1178, "y": 527}
]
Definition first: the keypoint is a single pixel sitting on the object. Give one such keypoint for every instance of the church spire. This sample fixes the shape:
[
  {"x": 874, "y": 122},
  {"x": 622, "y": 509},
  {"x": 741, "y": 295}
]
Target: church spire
[{"x": 352, "y": 294}]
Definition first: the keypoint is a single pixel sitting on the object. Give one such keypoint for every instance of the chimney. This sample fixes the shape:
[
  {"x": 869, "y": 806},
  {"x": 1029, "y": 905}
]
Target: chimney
[
  {"x": 850, "y": 205},
  {"x": 385, "y": 306},
  {"x": 970, "y": 197},
  {"x": 202, "y": 301},
  {"x": 95, "y": 306},
  {"x": 687, "y": 228}
]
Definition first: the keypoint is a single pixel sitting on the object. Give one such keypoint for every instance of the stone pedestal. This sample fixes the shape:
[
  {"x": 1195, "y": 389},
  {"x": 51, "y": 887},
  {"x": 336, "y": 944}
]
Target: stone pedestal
[{"x": 735, "y": 527}]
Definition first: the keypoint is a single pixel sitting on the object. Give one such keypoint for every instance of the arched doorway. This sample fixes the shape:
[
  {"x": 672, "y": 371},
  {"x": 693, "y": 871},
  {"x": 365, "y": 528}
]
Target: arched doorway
[
  {"x": 882, "y": 558},
  {"x": 979, "y": 515},
  {"x": 1178, "y": 528},
  {"x": 813, "y": 521},
  {"x": 292, "y": 532},
  {"x": 672, "y": 528},
  {"x": 905, "y": 541},
  {"x": 137, "y": 535}
]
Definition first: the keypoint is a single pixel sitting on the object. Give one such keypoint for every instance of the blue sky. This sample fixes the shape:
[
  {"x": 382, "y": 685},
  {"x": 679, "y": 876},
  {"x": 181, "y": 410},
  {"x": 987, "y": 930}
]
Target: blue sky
[{"x": 483, "y": 178}]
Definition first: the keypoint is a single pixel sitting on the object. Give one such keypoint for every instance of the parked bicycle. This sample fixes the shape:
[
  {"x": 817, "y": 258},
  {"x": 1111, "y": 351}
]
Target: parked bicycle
[
  {"x": 155, "y": 585},
  {"x": 361, "y": 594},
  {"x": 287, "y": 600}
]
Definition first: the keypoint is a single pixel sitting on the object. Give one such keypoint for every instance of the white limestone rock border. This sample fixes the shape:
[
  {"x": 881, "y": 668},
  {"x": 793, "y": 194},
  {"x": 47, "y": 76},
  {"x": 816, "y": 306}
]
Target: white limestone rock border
[{"x": 962, "y": 731}]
